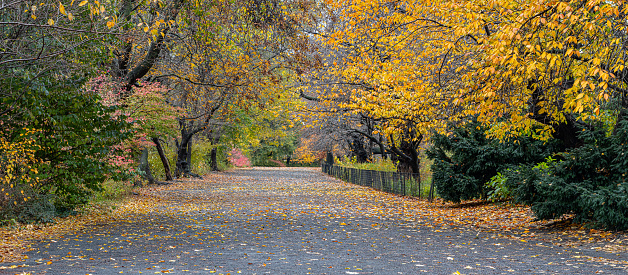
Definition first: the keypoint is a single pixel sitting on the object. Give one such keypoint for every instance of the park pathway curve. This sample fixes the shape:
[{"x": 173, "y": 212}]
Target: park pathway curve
[{"x": 293, "y": 221}]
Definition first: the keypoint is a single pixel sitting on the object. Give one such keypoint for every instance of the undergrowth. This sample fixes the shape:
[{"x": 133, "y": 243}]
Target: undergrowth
[{"x": 384, "y": 165}]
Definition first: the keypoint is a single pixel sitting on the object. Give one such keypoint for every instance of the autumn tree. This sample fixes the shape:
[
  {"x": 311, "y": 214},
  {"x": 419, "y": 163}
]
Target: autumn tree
[
  {"x": 546, "y": 69},
  {"x": 423, "y": 64},
  {"x": 49, "y": 50},
  {"x": 47, "y": 42},
  {"x": 329, "y": 126},
  {"x": 227, "y": 54},
  {"x": 558, "y": 64},
  {"x": 393, "y": 63},
  {"x": 273, "y": 133},
  {"x": 145, "y": 27},
  {"x": 152, "y": 116}
]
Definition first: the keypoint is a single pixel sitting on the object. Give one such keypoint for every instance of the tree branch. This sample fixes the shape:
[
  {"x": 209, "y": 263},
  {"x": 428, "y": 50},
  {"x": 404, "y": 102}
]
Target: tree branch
[
  {"x": 155, "y": 48},
  {"x": 303, "y": 95},
  {"x": 192, "y": 81},
  {"x": 56, "y": 28},
  {"x": 398, "y": 152}
]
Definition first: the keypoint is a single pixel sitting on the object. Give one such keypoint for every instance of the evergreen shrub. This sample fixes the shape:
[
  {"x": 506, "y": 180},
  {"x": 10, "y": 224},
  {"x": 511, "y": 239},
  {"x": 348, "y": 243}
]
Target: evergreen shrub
[
  {"x": 588, "y": 181},
  {"x": 465, "y": 160}
]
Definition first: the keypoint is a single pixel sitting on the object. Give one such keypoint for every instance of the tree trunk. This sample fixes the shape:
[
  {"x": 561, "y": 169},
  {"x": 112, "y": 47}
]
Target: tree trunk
[
  {"x": 330, "y": 158},
  {"x": 189, "y": 154},
  {"x": 145, "y": 167},
  {"x": 382, "y": 148},
  {"x": 213, "y": 161},
  {"x": 164, "y": 159},
  {"x": 408, "y": 152},
  {"x": 369, "y": 149},
  {"x": 430, "y": 196},
  {"x": 357, "y": 148},
  {"x": 213, "y": 157},
  {"x": 568, "y": 132},
  {"x": 183, "y": 167},
  {"x": 408, "y": 165},
  {"x": 184, "y": 154}
]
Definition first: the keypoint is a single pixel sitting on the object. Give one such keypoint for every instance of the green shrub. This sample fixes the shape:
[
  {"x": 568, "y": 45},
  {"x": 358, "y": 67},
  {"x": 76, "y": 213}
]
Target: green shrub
[
  {"x": 113, "y": 190},
  {"x": 76, "y": 136},
  {"x": 498, "y": 190},
  {"x": 272, "y": 148},
  {"x": 201, "y": 150},
  {"x": 589, "y": 181},
  {"x": 466, "y": 160},
  {"x": 38, "y": 209},
  {"x": 265, "y": 163}
]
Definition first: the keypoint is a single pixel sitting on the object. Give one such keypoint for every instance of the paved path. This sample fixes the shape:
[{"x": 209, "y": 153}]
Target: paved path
[{"x": 295, "y": 221}]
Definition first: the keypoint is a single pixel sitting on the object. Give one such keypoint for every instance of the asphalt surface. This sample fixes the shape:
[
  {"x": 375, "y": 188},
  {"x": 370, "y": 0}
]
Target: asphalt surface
[{"x": 295, "y": 221}]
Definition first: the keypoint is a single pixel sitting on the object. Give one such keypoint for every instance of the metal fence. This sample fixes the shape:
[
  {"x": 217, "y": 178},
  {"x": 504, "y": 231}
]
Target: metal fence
[{"x": 406, "y": 184}]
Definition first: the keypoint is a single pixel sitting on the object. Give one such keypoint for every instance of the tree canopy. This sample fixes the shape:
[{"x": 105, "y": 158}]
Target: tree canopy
[{"x": 109, "y": 80}]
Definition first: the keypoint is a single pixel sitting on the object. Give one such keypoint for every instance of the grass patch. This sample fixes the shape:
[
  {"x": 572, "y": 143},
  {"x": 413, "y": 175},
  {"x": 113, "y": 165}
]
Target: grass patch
[
  {"x": 113, "y": 191},
  {"x": 416, "y": 189},
  {"x": 384, "y": 165}
]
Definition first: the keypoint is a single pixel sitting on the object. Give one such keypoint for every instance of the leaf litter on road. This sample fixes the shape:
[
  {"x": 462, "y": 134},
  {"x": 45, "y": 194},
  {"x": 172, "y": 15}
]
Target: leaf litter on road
[{"x": 261, "y": 204}]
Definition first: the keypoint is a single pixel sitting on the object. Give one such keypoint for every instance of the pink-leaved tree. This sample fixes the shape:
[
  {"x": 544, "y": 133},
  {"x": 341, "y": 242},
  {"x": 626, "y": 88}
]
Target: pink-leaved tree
[
  {"x": 238, "y": 159},
  {"x": 152, "y": 117}
]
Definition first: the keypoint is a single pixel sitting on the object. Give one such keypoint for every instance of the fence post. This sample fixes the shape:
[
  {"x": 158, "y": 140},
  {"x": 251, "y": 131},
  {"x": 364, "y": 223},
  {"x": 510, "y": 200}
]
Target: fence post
[
  {"x": 420, "y": 188},
  {"x": 430, "y": 196},
  {"x": 405, "y": 185}
]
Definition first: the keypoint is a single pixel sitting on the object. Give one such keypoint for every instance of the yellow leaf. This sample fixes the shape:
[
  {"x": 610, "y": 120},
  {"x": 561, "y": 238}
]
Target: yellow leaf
[
  {"x": 62, "y": 9},
  {"x": 83, "y": 3},
  {"x": 579, "y": 107},
  {"x": 110, "y": 24},
  {"x": 51, "y": 22},
  {"x": 70, "y": 16}
]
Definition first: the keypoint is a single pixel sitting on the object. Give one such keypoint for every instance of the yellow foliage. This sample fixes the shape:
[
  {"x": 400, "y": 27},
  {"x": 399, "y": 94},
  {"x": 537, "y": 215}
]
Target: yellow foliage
[
  {"x": 17, "y": 171},
  {"x": 428, "y": 62},
  {"x": 551, "y": 60},
  {"x": 304, "y": 154}
]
